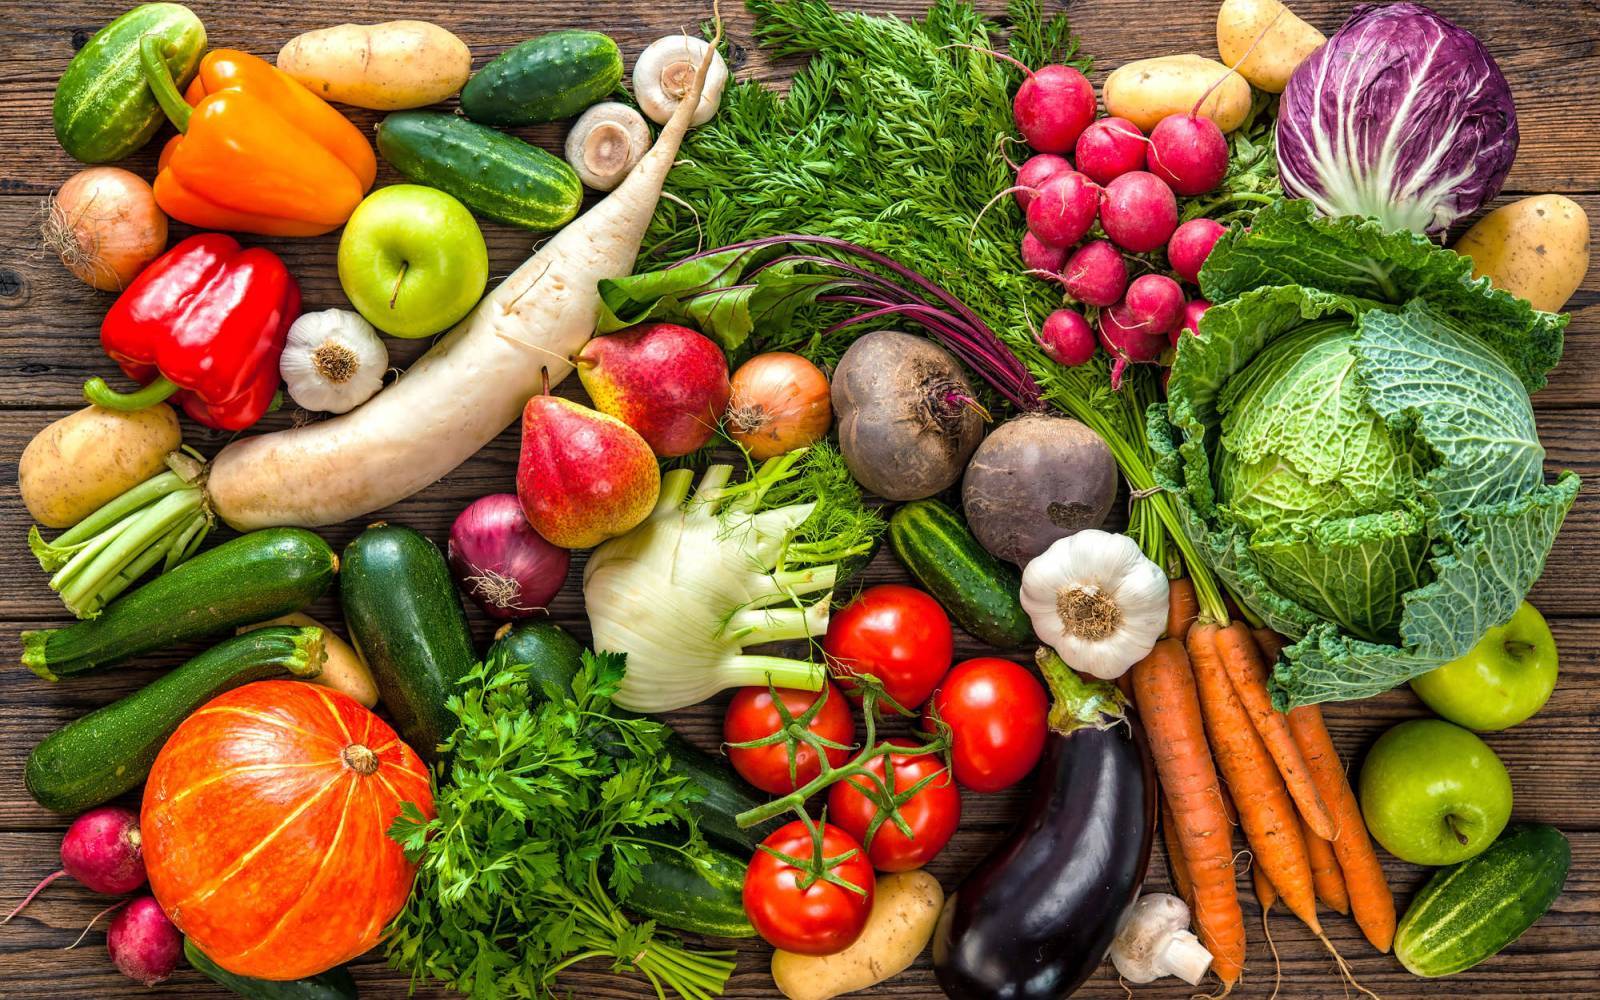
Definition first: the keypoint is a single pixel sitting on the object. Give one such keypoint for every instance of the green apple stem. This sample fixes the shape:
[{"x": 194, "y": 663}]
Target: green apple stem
[
  {"x": 395, "y": 297},
  {"x": 1450, "y": 821}
]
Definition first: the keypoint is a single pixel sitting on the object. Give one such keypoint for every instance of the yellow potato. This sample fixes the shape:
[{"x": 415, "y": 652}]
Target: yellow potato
[
  {"x": 1536, "y": 249},
  {"x": 344, "y": 670},
  {"x": 1285, "y": 41},
  {"x": 388, "y": 66},
  {"x": 905, "y": 908},
  {"x": 1148, "y": 90},
  {"x": 87, "y": 459}
]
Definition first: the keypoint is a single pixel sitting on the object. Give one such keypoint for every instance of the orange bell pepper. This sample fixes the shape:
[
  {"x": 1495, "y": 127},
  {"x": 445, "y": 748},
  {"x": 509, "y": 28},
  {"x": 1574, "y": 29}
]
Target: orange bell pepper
[{"x": 256, "y": 151}]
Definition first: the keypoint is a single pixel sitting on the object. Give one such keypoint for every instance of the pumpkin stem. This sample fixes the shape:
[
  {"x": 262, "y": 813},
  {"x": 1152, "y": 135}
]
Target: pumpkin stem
[{"x": 359, "y": 759}]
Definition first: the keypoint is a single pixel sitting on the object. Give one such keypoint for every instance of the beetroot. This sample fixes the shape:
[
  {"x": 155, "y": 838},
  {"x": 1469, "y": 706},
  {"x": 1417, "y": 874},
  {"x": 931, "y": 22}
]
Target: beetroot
[
  {"x": 1064, "y": 209},
  {"x": 1192, "y": 311},
  {"x": 1138, "y": 211},
  {"x": 102, "y": 850},
  {"x": 1190, "y": 245},
  {"x": 1034, "y": 172},
  {"x": 1155, "y": 303},
  {"x": 1189, "y": 152},
  {"x": 1066, "y": 338},
  {"x": 1042, "y": 257},
  {"x": 1110, "y": 148},
  {"x": 1096, "y": 274},
  {"x": 143, "y": 943},
  {"x": 1053, "y": 107}
]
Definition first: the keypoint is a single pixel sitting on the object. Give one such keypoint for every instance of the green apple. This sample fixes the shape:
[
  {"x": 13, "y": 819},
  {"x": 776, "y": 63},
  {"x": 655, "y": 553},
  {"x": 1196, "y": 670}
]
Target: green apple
[
  {"x": 412, "y": 260},
  {"x": 1501, "y": 681},
  {"x": 1433, "y": 793}
]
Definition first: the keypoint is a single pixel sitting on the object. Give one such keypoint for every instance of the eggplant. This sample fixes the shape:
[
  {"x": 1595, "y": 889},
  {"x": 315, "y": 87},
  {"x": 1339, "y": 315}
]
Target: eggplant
[{"x": 1037, "y": 916}]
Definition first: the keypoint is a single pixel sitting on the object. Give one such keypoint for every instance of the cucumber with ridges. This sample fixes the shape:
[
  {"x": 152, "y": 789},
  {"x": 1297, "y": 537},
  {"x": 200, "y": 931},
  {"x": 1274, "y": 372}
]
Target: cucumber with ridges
[
  {"x": 335, "y": 984},
  {"x": 110, "y": 750},
  {"x": 496, "y": 175},
  {"x": 673, "y": 892},
  {"x": 980, "y": 592},
  {"x": 104, "y": 111},
  {"x": 544, "y": 79},
  {"x": 1470, "y": 911},
  {"x": 252, "y": 578},
  {"x": 405, "y": 619}
]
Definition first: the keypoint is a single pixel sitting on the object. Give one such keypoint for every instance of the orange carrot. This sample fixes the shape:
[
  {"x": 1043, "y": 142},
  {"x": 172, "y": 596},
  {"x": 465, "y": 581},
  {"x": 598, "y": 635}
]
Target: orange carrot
[
  {"x": 1249, "y": 675},
  {"x": 1270, "y": 643},
  {"x": 1266, "y": 812},
  {"x": 1180, "y": 872},
  {"x": 1169, "y": 706},
  {"x": 1183, "y": 607},
  {"x": 1370, "y": 898},
  {"x": 1325, "y": 874}
]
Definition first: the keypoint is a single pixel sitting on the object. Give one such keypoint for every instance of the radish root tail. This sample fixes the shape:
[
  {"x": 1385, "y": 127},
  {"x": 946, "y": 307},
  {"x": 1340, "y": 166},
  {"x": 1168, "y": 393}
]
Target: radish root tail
[
  {"x": 29, "y": 897},
  {"x": 1194, "y": 111}
]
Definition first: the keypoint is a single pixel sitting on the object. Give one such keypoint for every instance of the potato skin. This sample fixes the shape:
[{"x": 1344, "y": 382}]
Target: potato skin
[
  {"x": 1284, "y": 46},
  {"x": 343, "y": 670},
  {"x": 387, "y": 67},
  {"x": 87, "y": 459},
  {"x": 905, "y": 910},
  {"x": 1148, "y": 90},
  {"x": 1536, "y": 249}
]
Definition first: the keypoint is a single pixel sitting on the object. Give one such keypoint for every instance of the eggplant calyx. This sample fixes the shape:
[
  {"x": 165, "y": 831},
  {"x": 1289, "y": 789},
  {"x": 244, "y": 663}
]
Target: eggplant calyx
[{"x": 1078, "y": 702}]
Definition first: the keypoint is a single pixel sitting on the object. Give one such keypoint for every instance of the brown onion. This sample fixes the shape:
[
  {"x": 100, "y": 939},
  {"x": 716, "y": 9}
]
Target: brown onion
[
  {"x": 105, "y": 226},
  {"x": 780, "y": 402},
  {"x": 507, "y": 568}
]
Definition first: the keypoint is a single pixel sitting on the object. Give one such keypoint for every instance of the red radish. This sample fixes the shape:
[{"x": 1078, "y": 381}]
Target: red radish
[
  {"x": 1139, "y": 211},
  {"x": 1066, "y": 338},
  {"x": 1128, "y": 341},
  {"x": 1033, "y": 173},
  {"x": 1053, "y": 107},
  {"x": 1192, "y": 311},
  {"x": 1190, "y": 245},
  {"x": 102, "y": 849},
  {"x": 1189, "y": 152},
  {"x": 1042, "y": 257},
  {"x": 143, "y": 943},
  {"x": 1064, "y": 209},
  {"x": 1110, "y": 148},
  {"x": 1155, "y": 303},
  {"x": 1096, "y": 274}
]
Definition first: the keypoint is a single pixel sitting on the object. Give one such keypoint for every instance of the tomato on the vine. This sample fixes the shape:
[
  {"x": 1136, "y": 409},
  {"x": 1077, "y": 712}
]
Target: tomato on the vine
[
  {"x": 895, "y": 633},
  {"x": 752, "y": 716},
  {"x": 933, "y": 811},
  {"x": 809, "y": 914},
  {"x": 998, "y": 714}
]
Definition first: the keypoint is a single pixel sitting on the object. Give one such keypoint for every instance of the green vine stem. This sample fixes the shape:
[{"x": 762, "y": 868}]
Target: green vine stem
[{"x": 1077, "y": 702}]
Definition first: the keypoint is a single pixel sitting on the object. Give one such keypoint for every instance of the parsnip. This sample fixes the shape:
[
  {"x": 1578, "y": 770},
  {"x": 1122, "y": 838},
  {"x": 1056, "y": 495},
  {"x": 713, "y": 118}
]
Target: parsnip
[{"x": 467, "y": 389}]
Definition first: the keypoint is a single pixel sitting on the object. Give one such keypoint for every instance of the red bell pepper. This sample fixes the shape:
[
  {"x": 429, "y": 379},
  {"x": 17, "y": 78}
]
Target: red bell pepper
[{"x": 205, "y": 322}]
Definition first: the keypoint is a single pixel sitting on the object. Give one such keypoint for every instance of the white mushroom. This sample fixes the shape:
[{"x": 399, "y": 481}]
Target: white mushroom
[
  {"x": 665, "y": 72},
  {"x": 605, "y": 143},
  {"x": 1154, "y": 941}
]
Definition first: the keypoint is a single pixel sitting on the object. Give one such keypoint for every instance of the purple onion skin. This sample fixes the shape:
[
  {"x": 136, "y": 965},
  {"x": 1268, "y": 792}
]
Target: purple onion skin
[
  {"x": 143, "y": 943},
  {"x": 507, "y": 568}
]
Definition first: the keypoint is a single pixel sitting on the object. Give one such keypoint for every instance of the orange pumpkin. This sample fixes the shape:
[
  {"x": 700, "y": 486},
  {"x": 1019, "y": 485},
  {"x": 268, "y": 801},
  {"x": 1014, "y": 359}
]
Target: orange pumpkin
[{"x": 264, "y": 826}]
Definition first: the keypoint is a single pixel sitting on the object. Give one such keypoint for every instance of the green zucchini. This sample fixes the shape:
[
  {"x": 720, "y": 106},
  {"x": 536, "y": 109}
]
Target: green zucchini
[
  {"x": 252, "y": 578},
  {"x": 496, "y": 175},
  {"x": 110, "y": 750},
  {"x": 103, "y": 109},
  {"x": 549, "y": 653},
  {"x": 335, "y": 984},
  {"x": 544, "y": 79},
  {"x": 406, "y": 621},
  {"x": 675, "y": 893},
  {"x": 1472, "y": 910},
  {"x": 980, "y": 592}
]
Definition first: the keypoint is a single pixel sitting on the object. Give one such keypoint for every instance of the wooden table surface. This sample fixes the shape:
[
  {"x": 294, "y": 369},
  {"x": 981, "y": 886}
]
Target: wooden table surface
[{"x": 49, "y": 346}]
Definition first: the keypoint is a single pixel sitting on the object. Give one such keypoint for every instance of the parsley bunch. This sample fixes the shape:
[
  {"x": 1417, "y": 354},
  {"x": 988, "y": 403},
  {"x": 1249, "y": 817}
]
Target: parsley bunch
[{"x": 540, "y": 834}]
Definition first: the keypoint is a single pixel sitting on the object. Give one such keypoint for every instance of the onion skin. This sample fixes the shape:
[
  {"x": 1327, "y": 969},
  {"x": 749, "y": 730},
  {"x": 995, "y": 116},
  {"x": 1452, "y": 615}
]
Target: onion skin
[
  {"x": 105, "y": 226},
  {"x": 506, "y": 567},
  {"x": 780, "y": 402}
]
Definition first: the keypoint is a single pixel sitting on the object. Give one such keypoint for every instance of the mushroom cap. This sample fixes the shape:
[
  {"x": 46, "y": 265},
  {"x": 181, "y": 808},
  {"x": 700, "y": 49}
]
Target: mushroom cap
[
  {"x": 606, "y": 142},
  {"x": 665, "y": 71}
]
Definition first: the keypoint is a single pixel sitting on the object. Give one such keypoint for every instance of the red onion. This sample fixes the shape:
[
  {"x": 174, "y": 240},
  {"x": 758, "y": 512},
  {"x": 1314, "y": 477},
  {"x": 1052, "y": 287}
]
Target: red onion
[{"x": 506, "y": 567}]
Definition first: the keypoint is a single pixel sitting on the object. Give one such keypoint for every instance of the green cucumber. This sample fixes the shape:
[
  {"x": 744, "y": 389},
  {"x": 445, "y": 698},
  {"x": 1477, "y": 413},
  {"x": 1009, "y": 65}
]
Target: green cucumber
[
  {"x": 544, "y": 79},
  {"x": 406, "y": 621},
  {"x": 980, "y": 592},
  {"x": 103, "y": 109},
  {"x": 1472, "y": 910},
  {"x": 335, "y": 984},
  {"x": 675, "y": 893},
  {"x": 252, "y": 578},
  {"x": 496, "y": 175},
  {"x": 110, "y": 750}
]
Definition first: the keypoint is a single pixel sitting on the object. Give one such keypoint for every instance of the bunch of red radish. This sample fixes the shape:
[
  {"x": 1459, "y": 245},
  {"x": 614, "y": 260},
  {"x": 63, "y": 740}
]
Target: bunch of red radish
[{"x": 1129, "y": 183}]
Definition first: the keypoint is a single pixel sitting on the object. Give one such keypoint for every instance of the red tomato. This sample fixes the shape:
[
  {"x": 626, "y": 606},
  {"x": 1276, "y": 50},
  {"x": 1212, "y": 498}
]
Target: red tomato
[
  {"x": 899, "y": 635},
  {"x": 752, "y": 716},
  {"x": 932, "y": 813},
  {"x": 820, "y": 919},
  {"x": 997, "y": 713}
]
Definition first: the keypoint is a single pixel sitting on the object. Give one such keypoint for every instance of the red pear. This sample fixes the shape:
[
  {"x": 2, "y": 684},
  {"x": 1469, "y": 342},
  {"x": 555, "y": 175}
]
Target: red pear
[
  {"x": 583, "y": 476},
  {"x": 665, "y": 381}
]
